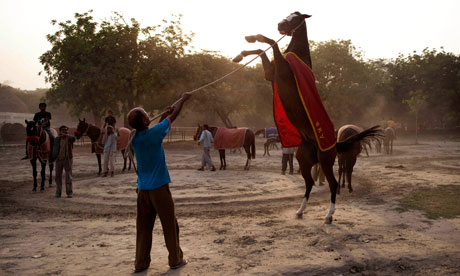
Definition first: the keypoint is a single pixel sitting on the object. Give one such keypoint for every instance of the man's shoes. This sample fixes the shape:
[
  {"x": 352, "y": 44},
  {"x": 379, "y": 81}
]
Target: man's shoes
[
  {"x": 181, "y": 264},
  {"x": 25, "y": 157},
  {"x": 69, "y": 196},
  {"x": 213, "y": 168},
  {"x": 58, "y": 195},
  {"x": 137, "y": 270},
  {"x": 104, "y": 175},
  {"x": 283, "y": 172},
  {"x": 291, "y": 172},
  {"x": 111, "y": 174},
  {"x": 201, "y": 169}
]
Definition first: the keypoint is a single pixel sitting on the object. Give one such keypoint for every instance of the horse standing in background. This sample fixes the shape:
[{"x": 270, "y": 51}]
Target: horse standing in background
[
  {"x": 249, "y": 144},
  {"x": 39, "y": 147},
  {"x": 284, "y": 81},
  {"x": 347, "y": 160},
  {"x": 388, "y": 140},
  {"x": 271, "y": 141},
  {"x": 95, "y": 135}
]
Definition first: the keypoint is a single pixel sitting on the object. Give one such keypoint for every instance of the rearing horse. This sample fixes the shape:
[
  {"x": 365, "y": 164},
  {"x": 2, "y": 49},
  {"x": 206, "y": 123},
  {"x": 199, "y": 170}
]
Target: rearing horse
[
  {"x": 280, "y": 72},
  {"x": 39, "y": 148},
  {"x": 249, "y": 145}
]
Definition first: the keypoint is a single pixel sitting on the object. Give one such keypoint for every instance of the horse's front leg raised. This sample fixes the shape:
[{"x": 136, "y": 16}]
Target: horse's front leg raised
[{"x": 268, "y": 67}]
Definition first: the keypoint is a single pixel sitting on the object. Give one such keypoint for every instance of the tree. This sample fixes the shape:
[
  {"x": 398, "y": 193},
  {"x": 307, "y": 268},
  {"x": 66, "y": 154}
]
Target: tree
[
  {"x": 94, "y": 67},
  {"x": 416, "y": 103},
  {"x": 438, "y": 75},
  {"x": 348, "y": 86}
]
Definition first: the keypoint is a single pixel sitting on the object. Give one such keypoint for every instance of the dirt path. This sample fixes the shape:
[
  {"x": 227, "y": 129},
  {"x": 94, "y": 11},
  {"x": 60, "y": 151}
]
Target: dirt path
[{"x": 235, "y": 222}]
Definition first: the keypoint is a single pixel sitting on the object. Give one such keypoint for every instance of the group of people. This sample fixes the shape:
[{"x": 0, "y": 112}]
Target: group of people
[
  {"x": 153, "y": 193},
  {"x": 62, "y": 146}
]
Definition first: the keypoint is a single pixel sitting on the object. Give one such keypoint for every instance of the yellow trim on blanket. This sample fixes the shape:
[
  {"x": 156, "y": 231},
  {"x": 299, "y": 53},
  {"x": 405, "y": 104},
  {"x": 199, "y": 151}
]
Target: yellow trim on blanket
[{"x": 305, "y": 107}]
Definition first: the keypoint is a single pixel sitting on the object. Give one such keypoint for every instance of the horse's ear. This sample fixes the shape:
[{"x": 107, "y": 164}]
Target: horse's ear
[{"x": 306, "y": 16}]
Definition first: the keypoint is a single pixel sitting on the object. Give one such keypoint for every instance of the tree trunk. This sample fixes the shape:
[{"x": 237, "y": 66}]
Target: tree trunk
[
  {"x": 224, "y": 119},
  {"x": 97, "y": 118}
]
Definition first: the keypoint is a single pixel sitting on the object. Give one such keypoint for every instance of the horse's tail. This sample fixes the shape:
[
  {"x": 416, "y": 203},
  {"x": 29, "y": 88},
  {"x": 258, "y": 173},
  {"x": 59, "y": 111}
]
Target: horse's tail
[
  {"x": 253, "y": 149},
  {"x": 373, "y": 132}
]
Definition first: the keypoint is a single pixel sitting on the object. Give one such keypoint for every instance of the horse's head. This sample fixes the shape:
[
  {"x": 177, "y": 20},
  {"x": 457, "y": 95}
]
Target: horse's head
[
  {"x": 81, "y": 128},
  {"x": 32, "y": 133},
  {"x": 288, "y": 25},
  {"x": 197, "y": 134}
]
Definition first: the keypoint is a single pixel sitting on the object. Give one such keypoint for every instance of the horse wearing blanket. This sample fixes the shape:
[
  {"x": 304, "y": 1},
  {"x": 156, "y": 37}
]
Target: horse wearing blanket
[
  {"x": 299, "y": 114},
  {"x": 231, "y": 138}
]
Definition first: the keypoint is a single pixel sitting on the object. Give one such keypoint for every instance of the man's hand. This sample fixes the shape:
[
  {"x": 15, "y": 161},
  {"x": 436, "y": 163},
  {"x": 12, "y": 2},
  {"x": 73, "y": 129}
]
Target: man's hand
[
  {"x": 168, "y": 110},
  {"x": 186, "y": 96}
]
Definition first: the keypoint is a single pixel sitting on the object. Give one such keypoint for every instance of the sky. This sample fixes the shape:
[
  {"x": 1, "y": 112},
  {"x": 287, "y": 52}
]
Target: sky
[{"x": 380, "y": 29}]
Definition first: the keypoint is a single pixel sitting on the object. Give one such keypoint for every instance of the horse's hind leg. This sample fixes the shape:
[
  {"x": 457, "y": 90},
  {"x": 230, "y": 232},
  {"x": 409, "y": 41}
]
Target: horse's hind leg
[
  {"x": 327, "y": 159},
  {"x": 248, "y": 159},
  {"x": 33, "y": 162},
  {"x": 98, "y": 156},
  {"x": 222, "y": 159},
  {"x": 306, "y": 156},
  {"x": 350, "y": 164},
  {"x": 51, "y": 174},
  {"x": 124, "y": 160},
  {"x": 43, "y": 175}
]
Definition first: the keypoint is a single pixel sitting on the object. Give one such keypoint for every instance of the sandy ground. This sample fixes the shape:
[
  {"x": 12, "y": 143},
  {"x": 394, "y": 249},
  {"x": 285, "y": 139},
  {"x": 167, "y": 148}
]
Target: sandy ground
[{"x": 234, "y": 222}]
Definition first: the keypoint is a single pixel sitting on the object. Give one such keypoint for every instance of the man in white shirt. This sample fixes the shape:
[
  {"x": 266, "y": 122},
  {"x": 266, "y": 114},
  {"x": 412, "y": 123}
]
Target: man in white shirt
[{"x": 206, "y": 140}]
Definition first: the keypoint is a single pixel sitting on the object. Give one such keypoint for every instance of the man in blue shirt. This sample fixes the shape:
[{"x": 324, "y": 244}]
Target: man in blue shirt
[{"x": 154, "y": 196}]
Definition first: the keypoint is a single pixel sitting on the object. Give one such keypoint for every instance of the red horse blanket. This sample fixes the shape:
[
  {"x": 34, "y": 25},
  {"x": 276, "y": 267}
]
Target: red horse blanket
[
  {"x": 319, "y": 119},
  {"x": 229, "y": 138},
  {"x": 44, "y": 149},
  {"x": 122, "y": 140}
]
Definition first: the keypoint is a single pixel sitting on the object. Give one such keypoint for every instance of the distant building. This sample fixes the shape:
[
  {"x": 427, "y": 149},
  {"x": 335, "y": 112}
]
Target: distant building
[{"x": 13, "y": 117}]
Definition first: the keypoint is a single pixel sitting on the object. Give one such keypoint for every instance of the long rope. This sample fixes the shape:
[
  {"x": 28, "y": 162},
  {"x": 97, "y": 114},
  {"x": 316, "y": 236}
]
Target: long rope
[
  {"x": 223, "y": 77},
  {"x": 130, "y": 151}
]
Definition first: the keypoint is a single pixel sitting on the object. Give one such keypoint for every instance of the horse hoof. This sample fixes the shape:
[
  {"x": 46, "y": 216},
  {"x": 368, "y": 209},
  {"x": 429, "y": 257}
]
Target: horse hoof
[
  {"x": 238, "y": 58},
  {"x": 328, "y": 220},
  {"x": 250, "y": 38},
  {"x": 350, "y": 190},
  {"x": 299, "y": 215}
]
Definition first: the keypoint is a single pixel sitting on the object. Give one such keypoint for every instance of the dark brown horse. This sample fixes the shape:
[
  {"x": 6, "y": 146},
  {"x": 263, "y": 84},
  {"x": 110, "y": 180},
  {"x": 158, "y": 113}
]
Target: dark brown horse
[
  {"x": 39, "y": 148},
  {"x": 249, "y": 146},
  {"x": 347, "y": 159},
  {"x": 94, "y": 134},
  {"x": 308, "y": 153}
]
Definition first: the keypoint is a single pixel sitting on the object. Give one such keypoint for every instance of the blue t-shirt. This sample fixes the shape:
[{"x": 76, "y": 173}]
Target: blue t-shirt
[{"x": 152, "y": 172}]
